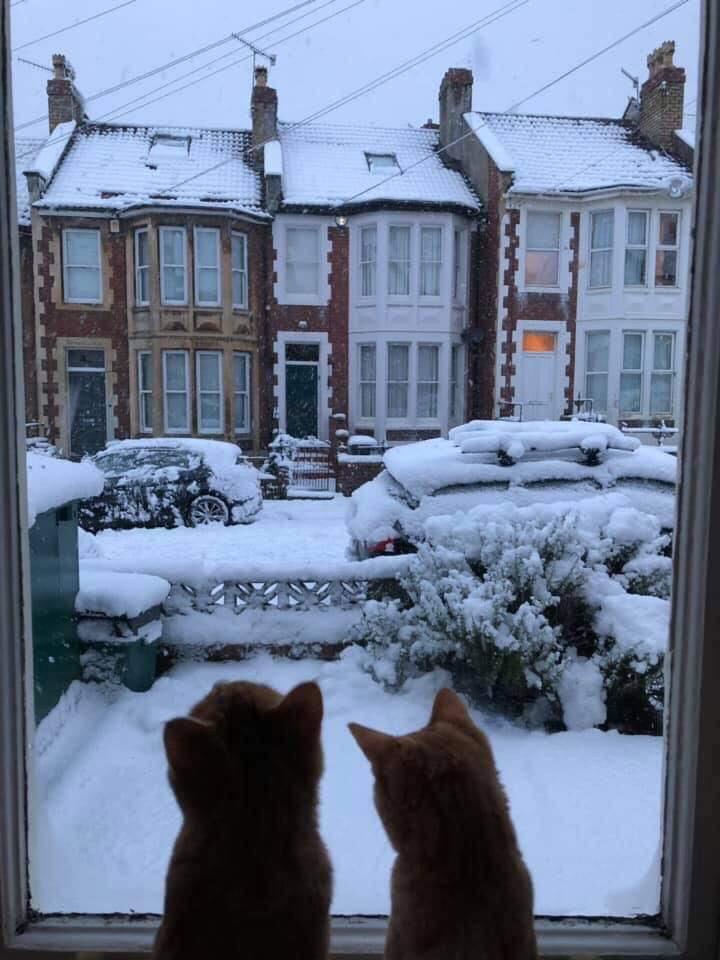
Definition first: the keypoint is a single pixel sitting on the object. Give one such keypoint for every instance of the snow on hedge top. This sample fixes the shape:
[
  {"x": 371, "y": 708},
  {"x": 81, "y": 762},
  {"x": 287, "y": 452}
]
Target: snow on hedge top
[
  {"x": 571, "y": 154},
  {"x": 516, "y": 438},
  {"x": 53, "y": 482},
  {"x": 115, "y": 167},
  {"x": 326, "y": 164},
  {"x": 25, "y": 151},
  {"x": 113, "y": 594}
]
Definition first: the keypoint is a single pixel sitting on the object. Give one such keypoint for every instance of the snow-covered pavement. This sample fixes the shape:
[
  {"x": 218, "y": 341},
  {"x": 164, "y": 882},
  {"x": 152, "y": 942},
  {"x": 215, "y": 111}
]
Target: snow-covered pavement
[{"x": 586, "y": 805}]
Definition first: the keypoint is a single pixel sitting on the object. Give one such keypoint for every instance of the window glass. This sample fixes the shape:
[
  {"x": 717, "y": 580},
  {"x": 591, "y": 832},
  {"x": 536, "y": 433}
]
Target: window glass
[
  {"x": 209, "y": 386},
  {"x": 430, "y": 261},
  {"x": 367, "y": 380},
  {"x": 142, "y": 266},
  {"x": 239, "y": 270},
  {"x": 662, "y": 377},
  {"x": 177, "y": 417},
  {"x": 241, "y": 385},
  {"x": 303, "y": 260},
  {"x": 455, "y": 356},
  {"x": 82, "y": 271},
  {"x": 368, "y": 260},
  {"x": 398, "y": 373},
  {"x": 535, "y": 341},
  {"x": 542, "y": 255},
  {"x": 428, "y": 381},
  {"x": 172, "y": 265},
  {"x": 597, "y": 365},
  {"x": 631, "y": 382},
  {"x": 666, "y": 254},
  {"x": 207, "y": 266},
  {"x": 602, "y": 225},
  {"x": 399, "y": 261},
  {"x": 145, "y": 388}
]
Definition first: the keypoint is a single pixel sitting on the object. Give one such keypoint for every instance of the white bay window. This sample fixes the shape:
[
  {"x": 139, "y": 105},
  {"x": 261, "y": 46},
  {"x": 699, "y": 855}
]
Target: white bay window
[
  {"x": 207, "y": 267},
  {"x": 399, "y": 261},
  {"x": 398, "y": 380},
  {"x": 430, "y": 261}
]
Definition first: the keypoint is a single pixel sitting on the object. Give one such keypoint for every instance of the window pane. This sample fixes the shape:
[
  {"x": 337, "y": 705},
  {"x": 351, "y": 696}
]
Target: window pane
[
  {"x": 368, "y": 257},
  {"x": 543, "y": 231},
  {"x": 662, "y": 352},
  {"x": 209, "y": 371},
  {"x": 302, "y": 277},
  {"x": 208, "y": 285},
  {"x": 428, "y": 361},
  {"x": 174, "y": 284},
  {"x": 399, "y": 243},
  {"x": 82, "y": 248},
  {"x": 430, "y": 280},
  {"x": 368, "y": 243},
  {"x": 240, "y": 371},
  {"x": 630, "y": 392},
  {"x": 598, "y": 352},
  {"x": 637, "y": 228},
  {"x": 143, "y": 248},
  {"x": 632, "y": 351},
  {"x": 668, "y": 229},
  {"x": 175, "y": 371},
  {"x": 239, "y": 295},
  {"x": 398, "y": 279},
  {"x": 176, "y": 411},
  {"x": 146, "y": 411},
  {"x": 397, "y": 400},
  {"x": 537, "y": 342},
  {"x": 172, "y": 246},
  {"x": 635, "y": 267},
  {"x": 596, "y": 389},
  {"x": 210, "y": 411},
  {"x": 398, "y": 357},
  {"x": 143, "y": 285},
  {"x": 541, "y": 269},
  {"x": 206, "y": 247},
  {"x": 146, "y": 371},
  {"x": 242, "y": 409},
  {"x": 601, "y": 268},
  {"x": 367, "y": 363},
  {"x": 661, "y": 393},
  {"x": 427, "y": 404},
  {"x": 302, "y": 244},
  {"x": 367, "y": 399},
  {"x": 430, "y": 243},
  {"x": 86, "y": 358},
  {"x": 302, "y": 351},
  {"x": 398, "y": 369},
  {"x": 666, "y": 268},
  {"x": 238, "y": 251},
  {"x": 602, "y": 229},
  {"x": 83, "y": 283}
]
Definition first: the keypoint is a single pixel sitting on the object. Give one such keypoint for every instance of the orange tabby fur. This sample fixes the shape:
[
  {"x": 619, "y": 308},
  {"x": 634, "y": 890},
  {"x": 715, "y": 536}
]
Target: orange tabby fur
[
  {"x": 460, "y": 888},
  {"x": 249, "y": 875}
]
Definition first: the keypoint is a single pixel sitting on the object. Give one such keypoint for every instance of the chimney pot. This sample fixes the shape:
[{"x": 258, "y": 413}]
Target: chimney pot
[
  {"x": 661, "y": 97},
  {"x": 65, "y": 103},
  {"x": 261, "y": 76}
]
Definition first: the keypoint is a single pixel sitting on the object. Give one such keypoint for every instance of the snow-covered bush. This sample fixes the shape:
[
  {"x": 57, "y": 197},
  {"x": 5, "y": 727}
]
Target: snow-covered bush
[{"x": 520, "y": 605}]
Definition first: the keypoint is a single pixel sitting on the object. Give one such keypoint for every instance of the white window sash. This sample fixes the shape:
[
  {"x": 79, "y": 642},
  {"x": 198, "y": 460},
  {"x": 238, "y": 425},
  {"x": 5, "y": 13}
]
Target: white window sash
[
  {"x": 366, "y": 382},
  {"x": 368, "y": 265},
  {"x": 636, "y": 373},
  {"x": 426, "y": 384},
  {"x": 640, "y": 247},
  {"x": 669, "y": 248},
  {"x": 241, "y": 271},
  {"x": 662, "y": 373},
  {"x": 398, "y": 383},
  {"x": 142, "y": 270},
  {"x": 601, "y": 251},
  {"x": 143, "y": 392},
  {"x": 554, "y": 250},
  {"x": 243, "y": 395},
  {"x": 182, "y": 265},
  {"x": 70, "y": 266},
  {"x": 403, "y": 265},
  {"x": 431, "y": 267},
  {"x": 312, "y": 264},
  {"x": 185, "y": 392},
  {"x": 203, "y": 391},
  {"x": 201, "y": 268}
]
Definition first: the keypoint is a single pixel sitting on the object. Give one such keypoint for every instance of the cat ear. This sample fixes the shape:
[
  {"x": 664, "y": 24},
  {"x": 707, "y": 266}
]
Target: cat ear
[
  {"x": 373, "y": 743},
  {"x": 188, "y": 743},
  {"x": 302, "y": 708},
  {"x": 449, "y": 708}
]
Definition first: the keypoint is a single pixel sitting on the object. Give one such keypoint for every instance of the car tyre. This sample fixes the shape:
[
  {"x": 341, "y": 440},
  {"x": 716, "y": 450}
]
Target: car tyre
[{"x": 207, "y": 509}]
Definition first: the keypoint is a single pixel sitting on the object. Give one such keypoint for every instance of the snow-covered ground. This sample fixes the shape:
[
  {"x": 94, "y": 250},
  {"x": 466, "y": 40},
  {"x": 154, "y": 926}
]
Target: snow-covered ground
[{"x": 586, "y": 804}]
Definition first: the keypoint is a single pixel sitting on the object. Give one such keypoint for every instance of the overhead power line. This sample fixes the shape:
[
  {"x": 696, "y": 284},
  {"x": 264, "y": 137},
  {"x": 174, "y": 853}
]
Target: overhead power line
[{"x": 71, "y": 26}]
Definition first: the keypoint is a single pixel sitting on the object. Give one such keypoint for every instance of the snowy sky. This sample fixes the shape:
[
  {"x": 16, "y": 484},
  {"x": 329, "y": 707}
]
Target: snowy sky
[{"x": 510, "y": 58}]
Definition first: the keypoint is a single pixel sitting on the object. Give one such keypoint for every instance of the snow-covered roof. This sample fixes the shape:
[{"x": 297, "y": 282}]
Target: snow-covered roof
[
  {"x": 46, "y": 159},
  {"x": 53, "y": 482},
  {"x": 115, "y": 167},
  {"x": 26, "y": 149},
  {"x": 327, "y": 164},
  {"x": 572, "y": 154},
  {"x": 687, "y": 135}
]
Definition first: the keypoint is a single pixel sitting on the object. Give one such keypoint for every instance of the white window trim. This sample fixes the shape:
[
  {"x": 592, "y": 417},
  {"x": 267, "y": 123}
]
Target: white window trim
[
  {"x": 218, "y": 356},
  {"x": 198, "y": 267},
  {"x": 408, "y": 418},
  {"x": 633, "y": 372},
  {"x": 541, "y": 287},
  {"x": 142, "y": 390},
  {"x": 691, "y": 848},
  {"x": 597, "y": 373},
  {"x": 247, "y": 426},
  {"x": 188, "y": 428},
  {"x": 670, "y": 373},
  {"x": 636, "y": 246},
  {"x": 140, "y": 269},
  {"x": 242, "y": 270},
  {"x": 611, "y": 249},
  {"x": 658, "y": 247},
  {"x": 67, "y": 266},
  {"x": 163, "y": 298}
]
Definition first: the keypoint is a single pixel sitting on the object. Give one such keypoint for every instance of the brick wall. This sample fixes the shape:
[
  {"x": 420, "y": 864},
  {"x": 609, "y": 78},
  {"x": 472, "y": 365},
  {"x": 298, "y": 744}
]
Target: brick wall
[
  {"x": 351, "y": 475},
  {"x": 661, "y": 97}
]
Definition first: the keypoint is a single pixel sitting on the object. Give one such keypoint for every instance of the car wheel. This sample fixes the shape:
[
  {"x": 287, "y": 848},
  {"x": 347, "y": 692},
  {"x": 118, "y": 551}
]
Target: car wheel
[{"x": 207, "y": 509}]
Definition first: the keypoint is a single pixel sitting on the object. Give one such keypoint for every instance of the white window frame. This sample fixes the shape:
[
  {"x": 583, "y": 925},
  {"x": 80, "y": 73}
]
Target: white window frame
[
  {"x": 668, "y": 374},
  {"x": 143, "y": 391},
  {"x": 598, "y": 373},
  {"x": 457, "y": 263},
  {"x": 81, "y": 266},
  {"x": 637, "y": 246},
  {"x": 246, "y": 427},
  {"x": 438, "y": 350},
  {"x": 361, "y": 383},
  {"x": 528, "y": 249},
  {"x": 455, "y": 406},
  {"x": 372, "y": 264},
  {"x": 633, "y": 372},
  {"x": 200, "y": 391},
  {"x": 217, "y": 268},
  {"x": 687, "y": 928},
  {"x": 660, "y": 247},
  {"x": 299, "y": 296},
  {"x": 242, "y": 270},
  {"x": 188, "y": 427},
  {"x": 400, "y": 296},
  {"x": 601, "y": 250},
  {"x": 422, "y": 262},
  {"x": 163, "y": 299},
  {"x": 142, "y": 270},
  {"x": 408, "y": 383}
]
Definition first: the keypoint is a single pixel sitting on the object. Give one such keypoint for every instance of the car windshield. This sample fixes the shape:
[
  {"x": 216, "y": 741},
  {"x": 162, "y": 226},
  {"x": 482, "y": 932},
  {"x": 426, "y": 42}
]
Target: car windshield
[{"x": 116, "y": 463}]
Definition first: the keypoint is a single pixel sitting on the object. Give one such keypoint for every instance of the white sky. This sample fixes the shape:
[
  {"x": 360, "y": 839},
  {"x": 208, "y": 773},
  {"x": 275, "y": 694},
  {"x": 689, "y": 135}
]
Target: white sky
[{"x": 510, "y": 58}]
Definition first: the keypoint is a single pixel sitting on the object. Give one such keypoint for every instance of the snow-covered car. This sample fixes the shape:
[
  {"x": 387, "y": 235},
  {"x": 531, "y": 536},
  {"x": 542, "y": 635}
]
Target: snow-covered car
[
  {"x": 494, "y": 462},
  {"x": 170, "y": 482}
]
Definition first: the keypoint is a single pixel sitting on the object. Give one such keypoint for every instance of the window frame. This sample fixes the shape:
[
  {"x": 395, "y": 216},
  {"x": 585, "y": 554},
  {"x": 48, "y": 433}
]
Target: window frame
[
  {"x": 368, "y": 263},
  {"x": 143, "y": 391},
  {"x": 361, "y": 383},
  {"x": 243, "y": 270},
  {"x": 601, "y": 250},
  {"x": 422, "y": 262},
  {"x": 688, "y": 925},
  {"x": 637, "y": 246},
  {"x": 403, "y": 297},
  {"x": 199, "y": 391},
  {"x": 246, "y": 428},
  {"x": 668, "y": 247},
  {"x": 560, "y": 214},
  {"x": 141, "y": 269},
  {"x": 437, "y": 347},
  {"x": 181, "y": 431},
  {"x": 633, "y": 372},
  {"x": 408, "y": 345},
  {"x": 598, "y": 373},
  {"x": 303, "y": 296},
  {"x": 457, "y": 264},
  {"x": 162, "y": 230},
  {"x": 667, "y": 373},
  {"x": 66, "y": 266},
  {"x": 198, "y": 267},
  {"x": 455, "y": 408}
]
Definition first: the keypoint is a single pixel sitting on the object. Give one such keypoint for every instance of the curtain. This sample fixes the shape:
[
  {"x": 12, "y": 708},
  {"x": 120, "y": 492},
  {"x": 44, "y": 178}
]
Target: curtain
[
  {"x": 427, "y": 388},
  {"x": 399, "y": 262},
  {"x": 430, "y": 261},
  {"x": 398, "y": 371}
]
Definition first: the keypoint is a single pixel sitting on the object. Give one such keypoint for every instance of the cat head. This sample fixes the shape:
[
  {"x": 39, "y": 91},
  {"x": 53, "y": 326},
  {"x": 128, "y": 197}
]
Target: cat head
[
  {"x": 243, "y": 742},
  {"x": 427, "y": 781}
]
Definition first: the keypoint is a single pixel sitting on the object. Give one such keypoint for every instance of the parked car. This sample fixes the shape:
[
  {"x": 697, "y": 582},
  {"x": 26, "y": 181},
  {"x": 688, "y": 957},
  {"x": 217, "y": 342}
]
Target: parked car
[
  {"x": 493, "y": 462},
  {"x": 170, "y": 482}
]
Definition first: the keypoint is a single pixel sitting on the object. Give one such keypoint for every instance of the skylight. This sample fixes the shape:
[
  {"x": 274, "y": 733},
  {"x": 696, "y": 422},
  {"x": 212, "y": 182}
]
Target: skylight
[
  {"x": 382, "y": 162},
  {"x": 168, "y": 147}
]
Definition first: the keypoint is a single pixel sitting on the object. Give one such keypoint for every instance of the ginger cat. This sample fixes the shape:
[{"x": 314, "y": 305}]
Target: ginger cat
[
  {"x": 460, "y": 888},
  {"x": 249, "y": 875}
]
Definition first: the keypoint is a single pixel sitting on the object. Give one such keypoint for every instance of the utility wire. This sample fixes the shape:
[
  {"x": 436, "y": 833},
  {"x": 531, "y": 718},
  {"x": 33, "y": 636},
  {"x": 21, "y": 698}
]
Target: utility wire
[
  {"x": 71, "y": 26},
  {"x": 178, "y": 60}
]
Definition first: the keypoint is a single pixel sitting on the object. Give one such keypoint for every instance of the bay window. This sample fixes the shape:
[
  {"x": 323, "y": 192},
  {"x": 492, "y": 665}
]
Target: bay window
[
  {"x": 367, "y": 379},
  {"x": 398, "y": 378},
  {"x": 209, "y": 391},
  {"x": 430, "y": 261},
  {"x": 428, "y": 381},
  {"x": 142, "y": 267},
  {"x": 173, "y": 266},
  {"x": 666, "y": 251},
  {"x": 145, "y": 390},
  {"x": 82, "y": 271},
  {"x": 239, "y": 260},
  {"x": 399, "y": 261},
  {"x": 368, "y": 261},
  {"x": 455, "y": 379},
  {"x": 302, "y": 261},
  {"x": 241, "y": 391},
  {"x": 207, "y": 266},
  {"x": 597, "y": 367},
  {"x": 176, "y": 394},
  {"x": 602, "y": 228},
  {"x": 662, "y": 375},
  {"x": 542, "y": 249},
  {"x": 636, "y": 248},
  {"x": 631, "y": 375}
]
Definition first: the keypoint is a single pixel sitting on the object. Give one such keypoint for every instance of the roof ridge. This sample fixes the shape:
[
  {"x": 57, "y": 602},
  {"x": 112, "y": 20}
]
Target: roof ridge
[
  {"x": 616, "y": 121},
  {"x": 87, "y": 124},
  {"x": 299, "y": 125}
]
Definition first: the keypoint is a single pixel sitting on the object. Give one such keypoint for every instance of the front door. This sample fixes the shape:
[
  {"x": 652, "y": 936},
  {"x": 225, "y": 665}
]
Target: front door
[
  {"x": 301, "y": 389},
  {"x": 87, "y": 401},
  {"x": 538, "y": 371}
]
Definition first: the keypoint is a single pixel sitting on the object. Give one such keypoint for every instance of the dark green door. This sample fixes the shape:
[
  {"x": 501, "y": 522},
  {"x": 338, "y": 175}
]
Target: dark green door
[
  {"x": 87, "y": 401},
  {"x": 301, "y": 399}
]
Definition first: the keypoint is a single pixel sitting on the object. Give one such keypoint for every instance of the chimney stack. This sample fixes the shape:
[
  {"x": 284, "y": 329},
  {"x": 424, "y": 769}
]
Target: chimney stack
[
  {"x": 661, "y": 97},
  {"x": 263, "y": 109},
  {"x": 455, "y": 100},
  {"x": 65, "y": 102}
]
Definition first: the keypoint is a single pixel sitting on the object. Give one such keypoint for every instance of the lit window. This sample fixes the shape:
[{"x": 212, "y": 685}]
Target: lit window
[
  {"x": 241, "y": 391},
  {"x": 175, "y": 389},
  {"x": 666, "y": 252},
  {"x": 535, "y": 341},
  {"x": 302, "y": 260},
  {"x": 239, "y": 271},
  {"x": 173, "y": 266},
  {"x": 382, "y": 162},
  {"x": 82, "y": 275},
  {"x": 602, "y": 226},
  {"x": 367, "y": 380},
  {"x": 209, "y": 391},
  {"x": 399, "y": 262},
  {"x": 398, "y": 376},
  {"x": 542, "y": 255},
  {"x": 631, "y": 375},
  {"x": 207, "y": 267},
  {"x": 662, "y": 377},
  {"x": 142, "y": 267},
  {"x": 145, "y": 390},
  {"x": 636, "y": 249},
  {"x": 428, "y": 381},
  {"x": 430, "y": 261},
  {"x": 368, "y": 261},
  {"x": 597, "y": 366}
]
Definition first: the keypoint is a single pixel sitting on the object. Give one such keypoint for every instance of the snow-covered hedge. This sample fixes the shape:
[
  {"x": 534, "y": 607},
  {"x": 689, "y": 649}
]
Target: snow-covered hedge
[{"x": 556, "y": 613}]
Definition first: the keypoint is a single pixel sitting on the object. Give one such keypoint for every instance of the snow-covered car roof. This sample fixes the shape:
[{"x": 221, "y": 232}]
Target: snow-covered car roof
[{"x": 218, "y": 454}]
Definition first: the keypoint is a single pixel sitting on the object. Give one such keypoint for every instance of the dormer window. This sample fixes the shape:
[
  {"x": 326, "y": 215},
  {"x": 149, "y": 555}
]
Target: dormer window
[
  {"x": 167, "y": 147},
  {"x": 382, "y": 162}
]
